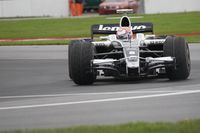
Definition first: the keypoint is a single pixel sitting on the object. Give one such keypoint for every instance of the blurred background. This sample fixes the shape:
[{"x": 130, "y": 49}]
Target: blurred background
[{"x": 65, "y": 8}]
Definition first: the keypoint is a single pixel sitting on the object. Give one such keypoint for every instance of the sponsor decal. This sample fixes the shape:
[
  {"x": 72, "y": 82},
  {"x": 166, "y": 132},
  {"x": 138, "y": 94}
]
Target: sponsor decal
[{"x": 115, "y": 28}]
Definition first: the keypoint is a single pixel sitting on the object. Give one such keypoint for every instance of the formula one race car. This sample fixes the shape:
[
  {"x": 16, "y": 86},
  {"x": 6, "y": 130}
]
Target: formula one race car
[{"x": 128, "y": 53}]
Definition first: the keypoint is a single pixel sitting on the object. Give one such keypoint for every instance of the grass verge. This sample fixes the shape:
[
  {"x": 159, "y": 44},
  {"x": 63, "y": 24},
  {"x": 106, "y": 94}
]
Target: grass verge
[
  {"x": 193, "y": 39},
  {"x": 173, "y": 23},
  {"x": 186, "y": 126},
  {"x": 190, "y": 39},
  {"x": 25, "y": 43}
]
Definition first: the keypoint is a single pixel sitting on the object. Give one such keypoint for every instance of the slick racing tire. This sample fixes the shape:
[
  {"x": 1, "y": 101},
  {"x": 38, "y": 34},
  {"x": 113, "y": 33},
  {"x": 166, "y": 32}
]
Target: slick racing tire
[
  {"x": 177, "y": 47},
  {"x": 69, "y": 57},
  {"x": 81, "y": 53},
  {"x": 70, "y": 46}
]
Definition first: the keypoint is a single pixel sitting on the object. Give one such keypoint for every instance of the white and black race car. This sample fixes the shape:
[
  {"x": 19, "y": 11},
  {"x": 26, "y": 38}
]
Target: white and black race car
[{"x": 128, "y": 53}]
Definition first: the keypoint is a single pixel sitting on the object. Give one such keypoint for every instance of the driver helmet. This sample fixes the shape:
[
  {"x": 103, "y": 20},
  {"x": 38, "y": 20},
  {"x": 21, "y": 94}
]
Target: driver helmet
[{"x": 124, "y": 33}]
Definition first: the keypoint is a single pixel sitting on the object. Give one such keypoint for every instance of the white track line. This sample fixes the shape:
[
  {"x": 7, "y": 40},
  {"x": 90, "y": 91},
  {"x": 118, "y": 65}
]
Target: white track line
[
  {"x": 168, "y": 90},
  {"x": 83, "y": 94},
  {"x": 99, "y": 100}
]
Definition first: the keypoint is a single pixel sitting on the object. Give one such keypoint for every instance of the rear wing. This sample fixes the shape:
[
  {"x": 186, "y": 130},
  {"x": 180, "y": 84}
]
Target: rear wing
[{"x": 112, "y": 28}]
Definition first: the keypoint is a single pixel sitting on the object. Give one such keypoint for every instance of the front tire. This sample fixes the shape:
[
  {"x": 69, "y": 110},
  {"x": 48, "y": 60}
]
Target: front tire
[
  {"x": 70, "y": 47},
  {"x": 81, "y": 54},
  {"x": 177, "y": 47}
]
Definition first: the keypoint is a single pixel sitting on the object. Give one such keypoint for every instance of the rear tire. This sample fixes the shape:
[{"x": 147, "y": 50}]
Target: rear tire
[
  {"x": 81, "y": 54},
  {"x": 177, "y": 47}
]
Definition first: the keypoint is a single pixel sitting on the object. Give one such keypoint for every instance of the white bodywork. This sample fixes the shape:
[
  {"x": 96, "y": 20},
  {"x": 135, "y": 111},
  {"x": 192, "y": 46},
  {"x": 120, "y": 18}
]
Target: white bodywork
[
  {"x": 131, "y": 46},
  {"x": 131, "y": 50}
]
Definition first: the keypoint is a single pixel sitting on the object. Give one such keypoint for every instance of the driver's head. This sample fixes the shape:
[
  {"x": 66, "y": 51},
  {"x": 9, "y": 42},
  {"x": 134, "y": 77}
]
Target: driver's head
[{"x": 124, "y": 33}]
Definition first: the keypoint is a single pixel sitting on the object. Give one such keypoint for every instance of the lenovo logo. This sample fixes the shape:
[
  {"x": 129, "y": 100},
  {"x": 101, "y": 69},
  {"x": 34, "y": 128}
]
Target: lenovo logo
[{"x": 107, "y": 28}]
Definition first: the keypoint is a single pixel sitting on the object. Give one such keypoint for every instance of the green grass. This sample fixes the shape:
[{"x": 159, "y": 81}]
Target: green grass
[
  {"x": 193, "y": 39},
  {"x": 80, "y": 27},
  {"x": 187, "y": 126},
  {"x": 24, "y": 43}
]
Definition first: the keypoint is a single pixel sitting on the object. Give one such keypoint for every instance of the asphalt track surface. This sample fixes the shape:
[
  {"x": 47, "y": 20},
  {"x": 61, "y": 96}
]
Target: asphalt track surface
[{"x": 35, "y": 92}]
